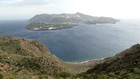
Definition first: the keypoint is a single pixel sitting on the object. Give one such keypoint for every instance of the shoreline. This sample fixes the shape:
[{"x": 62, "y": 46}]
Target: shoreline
[
  {"x": 83, "y": 66},
  {"x": 83, "y": 62}
]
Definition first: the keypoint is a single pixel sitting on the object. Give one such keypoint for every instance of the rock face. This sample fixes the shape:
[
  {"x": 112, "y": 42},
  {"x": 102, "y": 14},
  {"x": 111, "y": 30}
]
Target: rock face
[
  {"x": 61, "y": 21},
  {"x": 27, "y": 58}
]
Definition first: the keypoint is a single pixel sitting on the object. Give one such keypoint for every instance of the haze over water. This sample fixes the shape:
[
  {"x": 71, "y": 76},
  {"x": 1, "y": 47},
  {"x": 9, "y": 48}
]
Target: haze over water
[{"x": 84, "y": 42}]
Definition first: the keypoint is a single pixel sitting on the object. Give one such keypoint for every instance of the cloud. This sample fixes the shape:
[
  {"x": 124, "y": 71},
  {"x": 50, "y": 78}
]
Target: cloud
[
  {"x": 23, "y": 2},
  {"x": 111, "y": 8},
  {"x": 10, "y": 1},
  {"x": 43, "y": 2},
  {"x": 33, "y": 2}
]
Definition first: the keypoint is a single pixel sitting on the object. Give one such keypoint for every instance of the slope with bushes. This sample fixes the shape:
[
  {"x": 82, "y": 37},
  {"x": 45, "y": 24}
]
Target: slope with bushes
[
  {"x": 27, "y": 58},
  {"x": 125, "y": 65}
]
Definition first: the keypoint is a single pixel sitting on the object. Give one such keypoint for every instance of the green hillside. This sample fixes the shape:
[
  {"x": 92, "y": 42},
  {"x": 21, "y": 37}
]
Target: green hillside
[
  {"x": 28, "y": 59},
  {"x": 22, "y": 58}
]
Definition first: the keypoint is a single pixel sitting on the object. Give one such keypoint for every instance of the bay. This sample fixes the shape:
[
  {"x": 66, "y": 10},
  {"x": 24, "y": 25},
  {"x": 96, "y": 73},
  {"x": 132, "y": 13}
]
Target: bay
[{"x": 83, "y": 42}]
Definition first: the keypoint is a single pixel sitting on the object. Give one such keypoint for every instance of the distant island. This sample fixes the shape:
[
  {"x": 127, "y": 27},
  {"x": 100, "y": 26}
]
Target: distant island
[{"x": 62, "y": 21}]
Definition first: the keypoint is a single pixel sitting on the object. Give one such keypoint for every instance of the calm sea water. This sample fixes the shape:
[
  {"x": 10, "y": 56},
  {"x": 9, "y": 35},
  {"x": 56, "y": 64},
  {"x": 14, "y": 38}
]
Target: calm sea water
[{"x": 84, "y": 42}]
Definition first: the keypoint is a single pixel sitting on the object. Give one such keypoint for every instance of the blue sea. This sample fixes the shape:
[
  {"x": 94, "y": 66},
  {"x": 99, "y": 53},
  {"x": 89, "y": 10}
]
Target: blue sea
[{"x": 83, "y": 42}]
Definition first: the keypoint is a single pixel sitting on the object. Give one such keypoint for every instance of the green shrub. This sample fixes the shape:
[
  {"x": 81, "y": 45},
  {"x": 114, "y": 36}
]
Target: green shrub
[
  {"x": 1, "y": 76},
  {"x": 64, "y": 74}
]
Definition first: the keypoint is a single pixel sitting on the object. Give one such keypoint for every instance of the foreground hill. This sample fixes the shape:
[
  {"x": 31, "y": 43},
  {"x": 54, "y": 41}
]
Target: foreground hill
[
  {"x": 61, "y": 21},
  {"x": 27, "y": 59},
  {"x": 125, "y": 65}
]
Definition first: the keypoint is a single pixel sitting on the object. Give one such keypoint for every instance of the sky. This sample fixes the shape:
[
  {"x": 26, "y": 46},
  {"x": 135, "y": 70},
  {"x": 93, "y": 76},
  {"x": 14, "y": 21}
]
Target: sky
[{"x": 25, "y": 9}]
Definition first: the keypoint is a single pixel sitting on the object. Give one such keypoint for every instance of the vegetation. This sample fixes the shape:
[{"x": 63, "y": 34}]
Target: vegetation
[
  {"x": 28, "y": 59},
  {"x": 125, "y": 65},
  {"x": 22, "y": 58}
]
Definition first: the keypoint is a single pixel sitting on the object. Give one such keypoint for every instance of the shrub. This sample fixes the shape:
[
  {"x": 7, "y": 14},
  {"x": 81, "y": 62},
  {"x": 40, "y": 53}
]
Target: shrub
[
  {"x": 1, "y": 76},
  {"x": 64, "y": 74}
]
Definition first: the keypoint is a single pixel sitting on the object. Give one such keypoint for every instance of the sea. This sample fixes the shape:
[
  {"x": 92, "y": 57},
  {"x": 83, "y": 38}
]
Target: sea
[{"x": 80, "y": 43}]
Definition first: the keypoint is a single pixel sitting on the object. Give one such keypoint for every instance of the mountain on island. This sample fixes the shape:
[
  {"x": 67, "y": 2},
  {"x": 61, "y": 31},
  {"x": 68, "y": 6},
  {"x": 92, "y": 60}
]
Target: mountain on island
[
  {"x": 70, "y": 18},
  {"x": 61, "y": 21}
]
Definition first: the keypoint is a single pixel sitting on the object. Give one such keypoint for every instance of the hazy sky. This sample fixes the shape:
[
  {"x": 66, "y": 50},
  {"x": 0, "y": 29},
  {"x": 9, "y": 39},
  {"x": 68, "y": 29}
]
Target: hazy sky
[{"x": 24, "y": 9}]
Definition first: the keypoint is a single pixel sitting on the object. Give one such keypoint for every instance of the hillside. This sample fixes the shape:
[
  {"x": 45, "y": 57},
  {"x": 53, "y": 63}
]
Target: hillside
[
  {"x": 125, "y": 65},
  {"x": 28, "y": 59},
  {"x": 25, "y": 58}
]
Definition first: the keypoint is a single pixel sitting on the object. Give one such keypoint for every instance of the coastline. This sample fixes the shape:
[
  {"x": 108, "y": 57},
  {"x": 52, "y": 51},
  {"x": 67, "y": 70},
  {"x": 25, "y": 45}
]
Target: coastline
[
  {"x": 79, "y": 67},
  {"x": 86, "y": 61}
]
